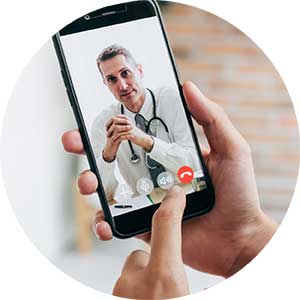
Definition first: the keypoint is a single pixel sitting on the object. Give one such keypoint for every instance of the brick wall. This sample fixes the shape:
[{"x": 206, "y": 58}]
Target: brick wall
[{"x": 230, "y": 69}]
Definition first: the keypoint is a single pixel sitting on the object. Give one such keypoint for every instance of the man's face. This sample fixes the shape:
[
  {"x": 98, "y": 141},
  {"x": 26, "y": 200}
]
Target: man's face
[{"x": 123, "y": 79}]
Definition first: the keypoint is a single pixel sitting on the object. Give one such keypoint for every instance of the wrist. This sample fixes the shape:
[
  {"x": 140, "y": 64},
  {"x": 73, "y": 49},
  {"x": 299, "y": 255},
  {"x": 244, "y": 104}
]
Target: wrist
[
  {"x": 149, "y": 143},
  {"x": 254, "y": 238},
  {"x": 107, "y": 158}
]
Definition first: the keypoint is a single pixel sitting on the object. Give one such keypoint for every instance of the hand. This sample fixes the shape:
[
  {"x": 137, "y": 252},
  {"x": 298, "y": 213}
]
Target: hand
[
  {"x": 226, "y": 239},
  {"x": 117, "y": 130},
  {"x": 140, "y": 138},
  {"x": 234, "y": 232},
  {"x": 120, "y": 128},
  {"x": 160, "y": 275}
]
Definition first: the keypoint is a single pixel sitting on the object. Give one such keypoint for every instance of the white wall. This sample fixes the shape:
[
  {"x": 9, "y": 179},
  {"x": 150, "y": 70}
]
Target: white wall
[{"x": 36, "y": 169}]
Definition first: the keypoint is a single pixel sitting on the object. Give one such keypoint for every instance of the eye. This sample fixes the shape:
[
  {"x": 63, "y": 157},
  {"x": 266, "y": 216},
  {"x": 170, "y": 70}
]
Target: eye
[
  {"x": 111, "y": 79},
  {"x": 125, "y": 73}
]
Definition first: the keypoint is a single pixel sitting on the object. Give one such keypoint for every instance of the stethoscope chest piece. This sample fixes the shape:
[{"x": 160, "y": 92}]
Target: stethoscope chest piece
[{"x": 134, "y": 159}]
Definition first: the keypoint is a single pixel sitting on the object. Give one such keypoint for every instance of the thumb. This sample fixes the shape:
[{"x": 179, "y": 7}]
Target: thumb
[
  {"x": 222, "y": 137},
  {"x": 166, "y": 229}
]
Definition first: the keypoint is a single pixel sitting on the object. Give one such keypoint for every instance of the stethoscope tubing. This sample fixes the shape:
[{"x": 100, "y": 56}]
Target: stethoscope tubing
[{"x": 135, "y": 158}]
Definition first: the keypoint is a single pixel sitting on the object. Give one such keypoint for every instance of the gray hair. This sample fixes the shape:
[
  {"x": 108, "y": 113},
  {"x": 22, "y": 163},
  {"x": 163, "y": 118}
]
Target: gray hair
[{"x": 112, "y": 51}]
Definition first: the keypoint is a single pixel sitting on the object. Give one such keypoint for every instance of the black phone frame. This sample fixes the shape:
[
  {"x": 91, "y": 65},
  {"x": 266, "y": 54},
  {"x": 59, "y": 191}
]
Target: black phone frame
[{"x": 137, "y": 221}]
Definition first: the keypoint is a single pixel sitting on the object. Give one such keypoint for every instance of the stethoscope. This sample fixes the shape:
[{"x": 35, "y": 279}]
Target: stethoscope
[{"x": 135, "y": 158}]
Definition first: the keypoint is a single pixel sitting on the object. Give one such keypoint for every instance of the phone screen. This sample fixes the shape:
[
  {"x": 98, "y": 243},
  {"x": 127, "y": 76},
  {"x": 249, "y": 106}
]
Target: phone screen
[{"x": 128, "y": 95}]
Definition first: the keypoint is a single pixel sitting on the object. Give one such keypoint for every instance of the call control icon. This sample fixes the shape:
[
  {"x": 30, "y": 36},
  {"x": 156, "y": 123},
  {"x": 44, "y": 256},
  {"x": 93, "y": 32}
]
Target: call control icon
[
  {"x": 165, "y": 180},
  {"x": 185, "y": 174},
  {"x": 144, "y": 186}
]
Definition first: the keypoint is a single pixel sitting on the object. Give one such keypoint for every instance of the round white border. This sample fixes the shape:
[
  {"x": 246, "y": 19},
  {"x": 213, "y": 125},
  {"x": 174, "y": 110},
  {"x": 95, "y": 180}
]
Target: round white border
[{"x": 26, "y": 25}]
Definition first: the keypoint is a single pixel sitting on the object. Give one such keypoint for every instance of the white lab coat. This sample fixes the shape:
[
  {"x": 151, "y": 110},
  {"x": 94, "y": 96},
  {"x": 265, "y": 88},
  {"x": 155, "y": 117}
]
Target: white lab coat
[{"x": 173, "y": 151}]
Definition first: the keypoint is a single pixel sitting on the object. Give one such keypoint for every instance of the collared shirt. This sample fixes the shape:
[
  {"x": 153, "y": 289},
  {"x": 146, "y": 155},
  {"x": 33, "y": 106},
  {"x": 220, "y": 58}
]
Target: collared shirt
[{"x": 172, "y": 150}]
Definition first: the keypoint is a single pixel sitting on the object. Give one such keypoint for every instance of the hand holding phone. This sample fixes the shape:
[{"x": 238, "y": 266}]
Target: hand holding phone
[{"x": 220, "y": 242}]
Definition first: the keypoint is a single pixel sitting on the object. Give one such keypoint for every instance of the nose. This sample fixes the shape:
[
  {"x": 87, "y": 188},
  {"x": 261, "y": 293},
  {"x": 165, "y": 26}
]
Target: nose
[{"x": 123, "y": 84}]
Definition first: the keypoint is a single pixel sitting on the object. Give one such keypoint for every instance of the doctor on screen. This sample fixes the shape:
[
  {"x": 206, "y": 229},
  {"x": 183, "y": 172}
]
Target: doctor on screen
[{"x": 145, "y": 131}]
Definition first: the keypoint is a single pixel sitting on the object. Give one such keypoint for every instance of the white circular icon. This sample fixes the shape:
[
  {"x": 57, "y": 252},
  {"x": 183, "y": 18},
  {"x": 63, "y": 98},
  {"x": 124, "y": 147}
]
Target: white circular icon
[
  {"x": 165, "y": 180},
  {"x": 144, "y": 186}
]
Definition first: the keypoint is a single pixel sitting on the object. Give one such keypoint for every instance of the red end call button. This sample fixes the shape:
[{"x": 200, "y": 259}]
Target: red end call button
[{"x": 185, "y": 174}]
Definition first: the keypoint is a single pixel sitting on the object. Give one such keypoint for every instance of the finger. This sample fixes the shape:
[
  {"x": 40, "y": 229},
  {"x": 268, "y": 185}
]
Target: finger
[
  {"x": 101, "y": 228},
  {"x": 122, "y": 117},
  {"x": 136, "y": 260},
  {"x": 205, "y": 154},
  {"x": 222, "y": 137},
  {"x": 87, "y": 183},
  {"x": 204, "y": 150},
  {"x": 117, "y": 129},
  {"x": 118, "y": 119},
  {"x": 144, "y": 237},
  {"x": 109, "y": 123},
  {"x": 166, "y": 230},
  {"x": 72, "y": 142},
  {"x": 121, "y": 121},
  {"x": 122, "y": 137}
]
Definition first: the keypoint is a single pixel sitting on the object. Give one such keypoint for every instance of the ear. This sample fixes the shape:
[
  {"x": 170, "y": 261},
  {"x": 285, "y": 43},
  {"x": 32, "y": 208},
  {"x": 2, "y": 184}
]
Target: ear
[
  {"x": 103, "y": 79},
  {"x": 140, "y": 70}
]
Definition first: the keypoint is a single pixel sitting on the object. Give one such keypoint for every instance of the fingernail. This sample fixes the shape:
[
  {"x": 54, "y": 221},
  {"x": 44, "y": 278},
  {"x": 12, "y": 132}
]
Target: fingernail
[
  {"x": 174, "y": 189},
  {"x": 95, "y": 229},
  {"x": 77, "y": 186},
  {"x": 98, "y": 225}
]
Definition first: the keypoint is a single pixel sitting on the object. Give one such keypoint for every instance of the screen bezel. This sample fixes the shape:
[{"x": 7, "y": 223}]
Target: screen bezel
[{"x": 137, "y": 221}]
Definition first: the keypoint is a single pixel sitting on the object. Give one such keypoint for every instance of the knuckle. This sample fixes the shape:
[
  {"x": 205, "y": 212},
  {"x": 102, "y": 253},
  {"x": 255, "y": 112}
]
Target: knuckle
[
  {"x": 99, "y": 213},
  {"x": 218, "y": 109},
  {"x": 163, "y": 278},
  {"x": 134, "y": 254},
  {"x": 244, "y": 148},
  {"x": 136, "y": 260}
]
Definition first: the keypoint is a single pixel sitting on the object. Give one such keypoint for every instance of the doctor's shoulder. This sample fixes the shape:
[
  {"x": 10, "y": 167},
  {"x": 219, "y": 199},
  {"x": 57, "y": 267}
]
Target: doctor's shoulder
[
  {"x": 167, "y": 95},
  {"x": 167, "y": 98}
]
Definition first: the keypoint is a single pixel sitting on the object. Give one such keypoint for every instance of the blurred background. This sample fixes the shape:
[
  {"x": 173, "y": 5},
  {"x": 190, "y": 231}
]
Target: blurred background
[
  {"x": 231, "y": 70},
  {"x": 41, "y": 178}
]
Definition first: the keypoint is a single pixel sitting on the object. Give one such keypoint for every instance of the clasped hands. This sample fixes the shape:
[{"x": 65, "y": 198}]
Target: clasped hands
[{"x": 120, "y": 128}]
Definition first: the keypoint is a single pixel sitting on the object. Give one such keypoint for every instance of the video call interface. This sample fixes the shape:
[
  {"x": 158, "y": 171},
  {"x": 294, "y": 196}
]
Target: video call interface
[{"x": 132, "y": 109}]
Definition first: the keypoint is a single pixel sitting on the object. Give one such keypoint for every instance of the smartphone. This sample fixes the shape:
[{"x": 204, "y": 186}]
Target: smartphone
[{"x": 124, "y": 89}]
